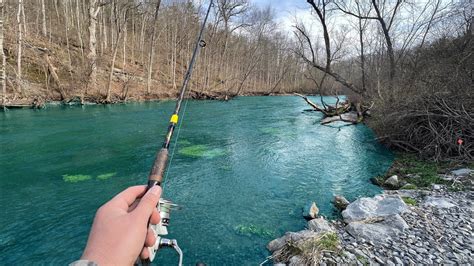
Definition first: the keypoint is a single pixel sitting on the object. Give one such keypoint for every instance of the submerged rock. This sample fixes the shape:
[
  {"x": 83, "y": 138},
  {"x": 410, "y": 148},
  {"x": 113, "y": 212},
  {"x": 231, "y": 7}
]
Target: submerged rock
[
  {"x": 392, "y": 182},
  {"x": 379, "y": 231},
  {"x": 438, "y": 202},
  {"x": 376, "y": 181},
  {"x": 378, "y": 206},
  {"x": 320, "y": 225},
  {"x": 340, "y": 202},
  {"x": 310, "y": 211}
]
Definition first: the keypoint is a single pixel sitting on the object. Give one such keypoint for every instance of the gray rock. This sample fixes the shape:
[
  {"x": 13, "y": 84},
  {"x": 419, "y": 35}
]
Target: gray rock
[
  {"x": 378, "y": 206},
  {"x": 392, "y": 182},
  {"x": 320, "y": 225},
  {"x": 277, "y": 244},
  {"x": 438, "y": 202},
  {"x": 310, "y": 211},
  {"x": 462, "y": 172},
  {"x": 436, "y": 187},
  {"x": 378, "y": 232},
  {"x": 350, "y": 256},
  {"x": 340, "y": 202},
  {"x": 300, "y": 235},
  {"x": 295, "y": 261}
]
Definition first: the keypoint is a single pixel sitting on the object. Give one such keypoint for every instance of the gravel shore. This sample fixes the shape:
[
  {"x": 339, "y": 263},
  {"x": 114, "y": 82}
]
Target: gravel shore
[{"x": 435, "y": 235}]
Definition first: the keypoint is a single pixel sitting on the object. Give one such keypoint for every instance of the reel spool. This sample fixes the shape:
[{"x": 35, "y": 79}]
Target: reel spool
[{"x": 164, "y": 208}]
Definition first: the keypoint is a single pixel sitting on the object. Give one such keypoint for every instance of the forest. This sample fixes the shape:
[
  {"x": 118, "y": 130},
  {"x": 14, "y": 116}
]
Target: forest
[{"x": 408, "y": 65}]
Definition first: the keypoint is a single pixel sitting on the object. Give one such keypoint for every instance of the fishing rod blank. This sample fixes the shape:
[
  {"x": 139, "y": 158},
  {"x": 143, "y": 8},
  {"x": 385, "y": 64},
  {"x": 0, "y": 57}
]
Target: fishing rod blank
[
  {"x": 159, "y": 166},
  {"x": 155, "y": 177}
]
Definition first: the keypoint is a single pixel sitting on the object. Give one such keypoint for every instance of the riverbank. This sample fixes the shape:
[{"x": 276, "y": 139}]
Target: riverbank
[
  {"x": 40, "y": 102},
  {"x": 429, "y": 225}
]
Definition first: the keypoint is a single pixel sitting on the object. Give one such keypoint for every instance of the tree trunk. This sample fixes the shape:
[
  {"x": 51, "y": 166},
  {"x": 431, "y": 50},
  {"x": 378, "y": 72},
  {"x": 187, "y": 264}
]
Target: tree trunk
[
  {"x": 3, "y": 81},
  {"x": 66, "y": 16},
  {"x": 20, "y": 46},
  {"x": 79, "y": 28},
  {"x": 112, "y": 66},
  {"x": 52, "y": 71},
  {"x": 388, "y": 42},
  {"x": 94, "y": 9},
  {"x": 152, "y": 49},
  {"x": 43, "y": 12}
]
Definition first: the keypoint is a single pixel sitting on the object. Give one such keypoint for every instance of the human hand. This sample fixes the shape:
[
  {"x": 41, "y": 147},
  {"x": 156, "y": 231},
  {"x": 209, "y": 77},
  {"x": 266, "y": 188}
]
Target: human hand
[{"x": 120, "y": 232}]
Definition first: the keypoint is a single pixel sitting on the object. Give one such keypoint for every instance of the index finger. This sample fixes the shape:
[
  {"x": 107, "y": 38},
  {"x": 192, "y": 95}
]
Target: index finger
[{"x": 127, "y": 197}]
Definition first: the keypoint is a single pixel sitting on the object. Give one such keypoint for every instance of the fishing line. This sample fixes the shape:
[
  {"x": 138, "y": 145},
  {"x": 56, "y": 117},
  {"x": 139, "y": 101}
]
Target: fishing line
[{"x": 178, "y": 132}]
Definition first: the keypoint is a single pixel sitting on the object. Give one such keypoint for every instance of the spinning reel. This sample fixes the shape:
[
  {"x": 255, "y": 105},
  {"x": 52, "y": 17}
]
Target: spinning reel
[{"x": 159, "y": 230}]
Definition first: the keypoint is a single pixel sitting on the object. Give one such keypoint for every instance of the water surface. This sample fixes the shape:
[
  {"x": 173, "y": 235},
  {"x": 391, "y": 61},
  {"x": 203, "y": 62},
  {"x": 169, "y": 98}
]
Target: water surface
[{"x": 242, "y": 170}]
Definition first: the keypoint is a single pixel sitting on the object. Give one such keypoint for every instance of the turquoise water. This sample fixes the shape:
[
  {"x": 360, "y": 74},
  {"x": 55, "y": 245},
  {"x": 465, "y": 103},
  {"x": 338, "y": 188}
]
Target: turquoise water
[{"x": 242, "y": 171}]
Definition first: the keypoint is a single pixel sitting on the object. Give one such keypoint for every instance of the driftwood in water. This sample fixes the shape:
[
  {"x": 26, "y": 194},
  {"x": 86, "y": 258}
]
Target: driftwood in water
[
  {"x": 342, "y": 111},
  {"x": 210, "y": 96}
]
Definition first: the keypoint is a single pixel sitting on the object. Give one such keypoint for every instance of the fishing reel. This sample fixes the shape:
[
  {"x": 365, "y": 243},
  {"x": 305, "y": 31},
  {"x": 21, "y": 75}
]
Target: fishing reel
[{"x": 159, "y": 230}]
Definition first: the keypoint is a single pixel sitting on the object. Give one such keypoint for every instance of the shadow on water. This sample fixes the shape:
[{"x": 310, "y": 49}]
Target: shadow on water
[{"x": 242, "y": 170}]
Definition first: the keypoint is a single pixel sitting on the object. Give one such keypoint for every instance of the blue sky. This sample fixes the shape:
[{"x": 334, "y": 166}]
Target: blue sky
[
  {"x": 287, "y": 11},
  {"x": 282, "y": 5}
]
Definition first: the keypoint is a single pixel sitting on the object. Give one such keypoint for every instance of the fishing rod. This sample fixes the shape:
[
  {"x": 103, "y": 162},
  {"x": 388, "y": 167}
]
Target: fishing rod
[{"x": 157, "y": 172}]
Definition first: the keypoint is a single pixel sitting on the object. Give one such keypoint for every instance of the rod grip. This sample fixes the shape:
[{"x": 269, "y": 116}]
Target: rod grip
[{"x": 159, "y": 167}]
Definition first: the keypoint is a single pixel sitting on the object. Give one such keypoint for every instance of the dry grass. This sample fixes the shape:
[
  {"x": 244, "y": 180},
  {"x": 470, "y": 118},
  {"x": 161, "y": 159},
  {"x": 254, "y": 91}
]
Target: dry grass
[{"x": 310, "y": 249}]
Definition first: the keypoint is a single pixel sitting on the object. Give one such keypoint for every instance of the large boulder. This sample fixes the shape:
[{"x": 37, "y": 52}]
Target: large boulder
[
  {"x": 279, "y": 243},
  {"x": 340, "y": 202},
  {"x": 378, "y": 206},
  {"x": 438, "y": 202},
  {"x": 320, "y": 225},
  {"x": 379, "y": 231},
  {"x": 310, "y": 211}
]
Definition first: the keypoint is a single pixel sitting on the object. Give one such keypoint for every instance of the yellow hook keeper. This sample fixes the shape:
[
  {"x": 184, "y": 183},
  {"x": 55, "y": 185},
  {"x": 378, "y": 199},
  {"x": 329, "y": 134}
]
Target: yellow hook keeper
[{"x": 174, "y": 119}]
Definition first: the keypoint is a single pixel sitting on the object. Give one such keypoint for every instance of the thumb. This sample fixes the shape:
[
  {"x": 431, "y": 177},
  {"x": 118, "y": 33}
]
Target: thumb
[{"x": 148, "y": 203}]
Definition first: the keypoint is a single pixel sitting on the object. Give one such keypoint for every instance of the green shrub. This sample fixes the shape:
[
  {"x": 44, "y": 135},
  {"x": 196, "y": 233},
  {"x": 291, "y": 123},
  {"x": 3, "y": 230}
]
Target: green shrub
[
  {"x": 409, "y": 201},
  {"x": 409, "y": 187}
]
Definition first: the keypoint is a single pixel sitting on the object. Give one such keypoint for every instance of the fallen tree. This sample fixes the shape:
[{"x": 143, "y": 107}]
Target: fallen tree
[{"x": 344, "y": 111}]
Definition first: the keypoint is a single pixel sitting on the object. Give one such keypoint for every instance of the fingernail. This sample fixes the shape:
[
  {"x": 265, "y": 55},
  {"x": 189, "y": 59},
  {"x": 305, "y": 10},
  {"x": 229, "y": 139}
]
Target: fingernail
[{"x": 155, "y": 190}]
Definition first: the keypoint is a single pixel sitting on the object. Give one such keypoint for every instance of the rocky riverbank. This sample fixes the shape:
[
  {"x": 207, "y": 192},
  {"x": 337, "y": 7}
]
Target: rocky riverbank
[{"x": 398, "y": 227}]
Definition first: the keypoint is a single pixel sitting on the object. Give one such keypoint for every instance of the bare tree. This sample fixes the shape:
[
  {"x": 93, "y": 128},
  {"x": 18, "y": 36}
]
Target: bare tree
[
  {"x": 120, "y": 16},
  {"x": 3, "y": 81},
  {"x": 304, "y": 39},
  {"x": 151, "y": 54},
  {"x": 19, "y": 45},
  {"x": 43, "y": 13},
  {"x": 94, "y": 9}
]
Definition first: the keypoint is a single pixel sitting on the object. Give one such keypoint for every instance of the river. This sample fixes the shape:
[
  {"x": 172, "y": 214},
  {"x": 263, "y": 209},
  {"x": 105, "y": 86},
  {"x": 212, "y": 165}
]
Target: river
[{"x": 242, "y": 171}]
